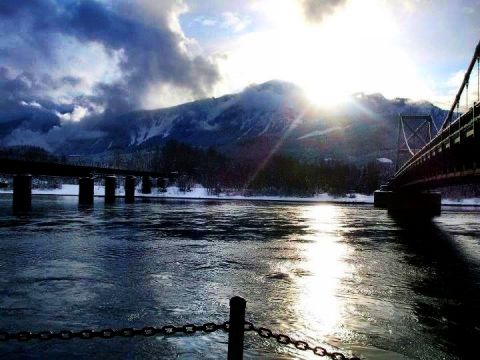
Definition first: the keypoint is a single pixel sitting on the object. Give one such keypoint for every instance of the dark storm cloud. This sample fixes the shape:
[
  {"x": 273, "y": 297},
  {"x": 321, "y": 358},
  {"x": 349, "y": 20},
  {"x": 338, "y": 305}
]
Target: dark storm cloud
[
  {"x": 18, "y": 105},
  {"x": 316, "y": 10},
  {"x": 36, "y": 32},
  {"x": 152, "y": 53},
  {"x": 28, "y": 119},
  {"x": 71, "y": 80}
]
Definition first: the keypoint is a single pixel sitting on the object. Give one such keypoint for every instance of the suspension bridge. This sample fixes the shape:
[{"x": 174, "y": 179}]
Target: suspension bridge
[{"x": 449, "y": 155}]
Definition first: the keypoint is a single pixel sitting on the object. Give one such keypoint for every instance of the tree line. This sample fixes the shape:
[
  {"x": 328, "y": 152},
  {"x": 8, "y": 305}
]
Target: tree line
[{"x": 276, "y": 175}]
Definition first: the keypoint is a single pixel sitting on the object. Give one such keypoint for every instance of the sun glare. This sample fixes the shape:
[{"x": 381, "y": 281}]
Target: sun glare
[
  {"x": 321, "y": 96},
  {"x": 353, "y": 50},
  {"x": 324, "y": 261},
  {"x": 339, "y": 47}
]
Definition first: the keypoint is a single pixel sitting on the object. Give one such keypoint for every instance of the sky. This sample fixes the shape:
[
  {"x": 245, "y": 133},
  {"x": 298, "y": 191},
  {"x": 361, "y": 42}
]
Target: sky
[{"x": 75, "y": 59}]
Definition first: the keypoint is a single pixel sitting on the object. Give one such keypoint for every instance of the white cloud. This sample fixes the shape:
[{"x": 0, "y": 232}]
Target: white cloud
[
  {"x": 88, "y": 62},
  {"x": 234, "y": 21},
  {"x": 206, "y": 21},
  {"x": 455, "y": 80},
  {"x": 154, "y": 12},
  {"x": 448, "y": 89},
  {"x": 78, "y": 113},
  {"x": 165, "y": 95},
  {"x": 452, "y": 85},
  {"x": 31, "y": 104}
]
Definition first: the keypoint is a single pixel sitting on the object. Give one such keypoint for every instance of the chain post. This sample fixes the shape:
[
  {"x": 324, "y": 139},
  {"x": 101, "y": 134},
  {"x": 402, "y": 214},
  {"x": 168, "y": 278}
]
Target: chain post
[{"x": 236, "y": 328}]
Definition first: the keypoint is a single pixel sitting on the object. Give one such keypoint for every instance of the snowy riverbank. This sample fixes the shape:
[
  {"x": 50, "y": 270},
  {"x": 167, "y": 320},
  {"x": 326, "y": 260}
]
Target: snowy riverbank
[{"x": 199, "y": 192}]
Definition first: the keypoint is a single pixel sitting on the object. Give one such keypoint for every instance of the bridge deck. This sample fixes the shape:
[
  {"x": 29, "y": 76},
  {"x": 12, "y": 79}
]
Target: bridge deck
[{"x": 9, "y": 166}]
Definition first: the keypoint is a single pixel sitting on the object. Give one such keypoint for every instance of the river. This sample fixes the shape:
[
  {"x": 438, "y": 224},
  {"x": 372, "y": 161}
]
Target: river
[{"x": 341, "y": 276}]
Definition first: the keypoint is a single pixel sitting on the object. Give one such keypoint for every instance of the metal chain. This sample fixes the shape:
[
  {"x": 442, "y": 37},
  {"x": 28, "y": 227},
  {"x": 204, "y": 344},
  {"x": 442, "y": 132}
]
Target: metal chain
[
  {"x": 300, "y": 345},
  {"x": 167, "y": 330},
  {"x": 110, "y": 333}
]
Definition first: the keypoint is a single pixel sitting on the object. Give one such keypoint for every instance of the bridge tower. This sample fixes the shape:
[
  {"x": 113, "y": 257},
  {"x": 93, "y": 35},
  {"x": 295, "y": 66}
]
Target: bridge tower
[{"x": 414, "y": 132}]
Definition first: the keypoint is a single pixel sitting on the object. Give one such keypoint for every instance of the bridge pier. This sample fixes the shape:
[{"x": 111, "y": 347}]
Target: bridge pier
[
  {"x": 110, "y": 185},
  {"x": 382, "y": 198},
  {"x": 146, "y": 185},
  {"x": 130, "y": 188},
  {"x": 85, "y": 190},
  {"x": 162, "y": 184},
  {"x": 22, "y": 192},
  {"x": 411, "y": 204}
]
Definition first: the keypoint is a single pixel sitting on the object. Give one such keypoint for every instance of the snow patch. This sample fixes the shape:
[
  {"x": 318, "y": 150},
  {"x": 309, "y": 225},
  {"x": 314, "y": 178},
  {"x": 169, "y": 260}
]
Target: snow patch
[
  {"x": 462, "y": 202},
  {"x": 385, "y": 160},
  {"x": 199, "y": 192},
  {"x": 323, "y": 132}
]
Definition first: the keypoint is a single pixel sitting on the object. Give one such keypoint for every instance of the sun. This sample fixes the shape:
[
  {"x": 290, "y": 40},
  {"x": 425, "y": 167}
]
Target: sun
[
  {"x": 356, "y": 49},
  {"x": 323, "y": 95}
]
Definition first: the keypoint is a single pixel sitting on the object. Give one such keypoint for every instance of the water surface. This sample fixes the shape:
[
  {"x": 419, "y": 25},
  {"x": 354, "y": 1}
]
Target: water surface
[{"x": 340, "y": 276}]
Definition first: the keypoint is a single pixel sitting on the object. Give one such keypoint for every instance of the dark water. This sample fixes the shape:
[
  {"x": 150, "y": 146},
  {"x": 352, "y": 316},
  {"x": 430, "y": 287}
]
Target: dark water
[{"x": 342, "y": 276}]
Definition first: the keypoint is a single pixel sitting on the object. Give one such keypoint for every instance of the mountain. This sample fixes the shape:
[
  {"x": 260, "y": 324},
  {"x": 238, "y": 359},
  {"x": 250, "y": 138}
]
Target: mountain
[{"x": 271, "y": 116}]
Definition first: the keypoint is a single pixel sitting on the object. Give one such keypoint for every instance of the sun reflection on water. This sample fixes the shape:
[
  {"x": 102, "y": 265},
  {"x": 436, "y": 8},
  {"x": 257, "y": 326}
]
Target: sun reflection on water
[{"x": 319, "y": 303}]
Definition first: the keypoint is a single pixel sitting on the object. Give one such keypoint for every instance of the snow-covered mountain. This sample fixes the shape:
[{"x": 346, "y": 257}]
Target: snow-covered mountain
[{"x": 272, "y": 115}]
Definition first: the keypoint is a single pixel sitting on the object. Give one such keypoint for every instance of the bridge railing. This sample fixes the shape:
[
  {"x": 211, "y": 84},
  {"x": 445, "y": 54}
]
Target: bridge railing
[
  {"x": 443, "y": 141},
  {"x": 13, "y": 166}
]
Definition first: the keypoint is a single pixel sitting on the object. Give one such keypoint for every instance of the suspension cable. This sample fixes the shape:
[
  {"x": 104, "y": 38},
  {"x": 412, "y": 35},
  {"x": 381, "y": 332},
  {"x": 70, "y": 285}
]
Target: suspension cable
[
  {"x": 460, "y": 91},
  {"x": 466, "y": 96},
  {"x": 406, "y": 140}
]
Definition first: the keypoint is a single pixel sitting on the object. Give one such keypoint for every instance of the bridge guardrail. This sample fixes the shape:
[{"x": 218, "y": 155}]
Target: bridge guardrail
[{"x": 14, "y": 166}]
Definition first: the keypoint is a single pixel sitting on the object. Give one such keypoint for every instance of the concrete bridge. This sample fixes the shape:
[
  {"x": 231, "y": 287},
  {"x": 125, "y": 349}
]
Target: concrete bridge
[
  {"x": 451, "y": 157},
  {"x": 23, "y": 171}
]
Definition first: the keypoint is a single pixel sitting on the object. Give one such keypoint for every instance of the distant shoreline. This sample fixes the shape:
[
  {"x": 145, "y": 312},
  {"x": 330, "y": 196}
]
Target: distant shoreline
[{"x": 199, "y": 193}]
